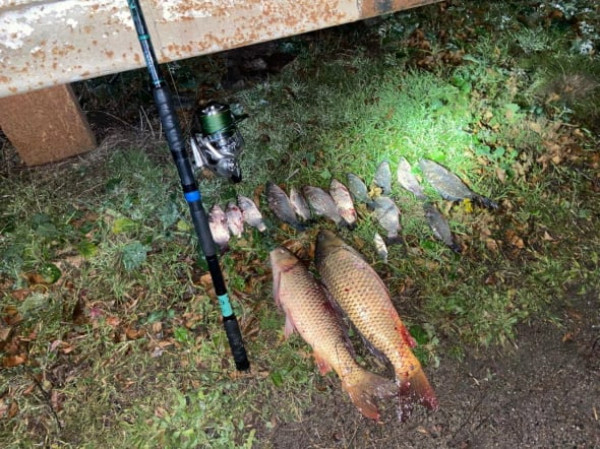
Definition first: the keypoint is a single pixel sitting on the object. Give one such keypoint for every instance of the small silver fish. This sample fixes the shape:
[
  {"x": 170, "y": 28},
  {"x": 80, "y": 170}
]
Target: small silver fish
[
  {"x": 343, "y": 201},
  {"x": 440, "y": 227},
  {"x": 281, "y": 206},
  {"x": 358, "y": 189},
  {"x": 322, "y": 204},
  {"x": 299, "y": 205},
  {"x": 235, "y": 219},
  {"x": 217, "y": 221},
  {"x": 388, "y": 216},
  {"x": 380, "y": 247},
  {"x": 383, "y": 177},
  {"x": 450, "y": 186},
  {"x": 251, "y": 214},
  {"x": 409, "y": 181}
]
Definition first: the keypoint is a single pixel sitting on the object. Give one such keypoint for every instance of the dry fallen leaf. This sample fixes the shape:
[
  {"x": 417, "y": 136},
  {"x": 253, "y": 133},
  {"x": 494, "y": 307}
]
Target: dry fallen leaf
[
  {"x": 513, "y": 239},
  {"x": 567, "y": 337},
  {"x": 4, "y": 333},
  {"x": 14, "y": 360},
  {"x": 134, "y": 334},
  {"x": 491, "y": 245},
  {"x": 20, "y": 294},
  {"x": 113, "y": 321},
  {"x": 501, "y": 174}
]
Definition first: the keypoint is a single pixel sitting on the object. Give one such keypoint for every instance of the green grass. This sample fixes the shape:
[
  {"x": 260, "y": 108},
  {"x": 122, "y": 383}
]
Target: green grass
[{"x": 126, "y": 348}]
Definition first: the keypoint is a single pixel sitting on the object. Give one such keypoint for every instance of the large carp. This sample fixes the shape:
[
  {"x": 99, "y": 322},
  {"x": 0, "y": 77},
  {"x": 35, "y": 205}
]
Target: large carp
[
  {"x": 309, "y": 311},
  {"x": 364, "y": 298}
]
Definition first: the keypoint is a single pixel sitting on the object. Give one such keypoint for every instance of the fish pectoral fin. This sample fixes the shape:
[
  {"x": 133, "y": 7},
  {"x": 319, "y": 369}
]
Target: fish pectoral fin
[
  {"x": 322, "y": 363},
  {"x": 290, "y": 327}
]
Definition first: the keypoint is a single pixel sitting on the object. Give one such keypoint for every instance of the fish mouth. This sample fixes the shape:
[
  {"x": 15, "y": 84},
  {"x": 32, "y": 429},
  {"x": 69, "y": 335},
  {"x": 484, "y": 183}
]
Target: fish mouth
[
  {"x": 283, "y": 259},
  {"x": 324, "y": 235}
]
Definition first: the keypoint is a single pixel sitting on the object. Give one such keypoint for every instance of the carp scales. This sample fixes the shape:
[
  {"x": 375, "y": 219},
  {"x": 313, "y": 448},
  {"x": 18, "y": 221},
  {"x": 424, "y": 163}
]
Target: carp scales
[
  {"x": 450, "y": 186},
  {"x": 364, "y": 298},
  {"x": 308, "y": 311}
]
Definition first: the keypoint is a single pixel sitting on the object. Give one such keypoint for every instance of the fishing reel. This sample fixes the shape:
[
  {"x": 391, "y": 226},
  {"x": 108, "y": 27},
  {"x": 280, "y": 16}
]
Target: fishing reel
[{"x": 218, "y": 144}]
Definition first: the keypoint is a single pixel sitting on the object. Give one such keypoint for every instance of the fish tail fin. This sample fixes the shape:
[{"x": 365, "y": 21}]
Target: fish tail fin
[
  {"x": 366, "y": 389},
  {"x": 298, "y": 226},
  {"x": 456, "y": 248},
  {"x": 415, "y": 390},
  {"x": 486, "y": 202},
  {"x": 395, "y": 240},
  {"x": 346, "y": 224}
]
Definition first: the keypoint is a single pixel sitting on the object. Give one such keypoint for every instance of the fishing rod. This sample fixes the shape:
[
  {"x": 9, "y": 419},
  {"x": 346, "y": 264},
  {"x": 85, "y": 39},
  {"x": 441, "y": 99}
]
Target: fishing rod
[{"x": 170, "y": 123}]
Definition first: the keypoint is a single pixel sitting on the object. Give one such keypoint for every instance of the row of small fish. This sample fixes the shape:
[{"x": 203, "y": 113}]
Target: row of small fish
[
  {"x": 388, "y": 214},
  {"x": 337, "y": 205},
  {"x": 359, "y": 293},
  {"x": 446, "y": 183},
  {"x": 224, "y": 223},
  {"x": 298, "y": 209}
]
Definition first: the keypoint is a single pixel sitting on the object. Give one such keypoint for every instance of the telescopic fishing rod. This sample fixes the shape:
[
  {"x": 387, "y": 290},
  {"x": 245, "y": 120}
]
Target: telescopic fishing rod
[{"x": 174, "y": 137}]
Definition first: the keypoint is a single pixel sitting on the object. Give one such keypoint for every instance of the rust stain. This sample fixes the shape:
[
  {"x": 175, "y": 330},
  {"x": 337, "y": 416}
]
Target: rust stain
[
  {"x": 39, "y": 53},
  {"x": 63, "y": 51},
  {"x": 372, "y": 8},
  {"x": 188, "y": 28}
]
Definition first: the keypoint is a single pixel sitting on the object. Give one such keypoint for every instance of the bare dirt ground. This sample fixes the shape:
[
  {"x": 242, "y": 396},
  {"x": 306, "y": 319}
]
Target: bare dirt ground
[{"x": 543, "y": 392}]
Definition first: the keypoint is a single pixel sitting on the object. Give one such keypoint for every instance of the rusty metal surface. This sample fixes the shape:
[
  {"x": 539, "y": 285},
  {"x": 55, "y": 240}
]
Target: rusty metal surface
[
  {"x": 44, "y": 43},
  {"x": 46, "y": 125}
]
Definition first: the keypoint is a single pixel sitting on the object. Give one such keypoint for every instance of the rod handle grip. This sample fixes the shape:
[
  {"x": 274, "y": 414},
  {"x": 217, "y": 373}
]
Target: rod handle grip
[
  {"x": 166, "y": 112},
  {"x": 234, "y": 335}
]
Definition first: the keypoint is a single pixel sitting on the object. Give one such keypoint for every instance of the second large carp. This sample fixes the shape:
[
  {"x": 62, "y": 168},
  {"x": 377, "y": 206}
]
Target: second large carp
[
  {"x": 364, "y": 298},
  {"x": 308, "y": 311}
]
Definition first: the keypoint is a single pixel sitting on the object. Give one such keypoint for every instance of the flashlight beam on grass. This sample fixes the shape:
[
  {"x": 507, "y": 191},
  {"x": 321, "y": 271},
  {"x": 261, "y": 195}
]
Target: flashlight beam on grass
[{"x": 170, "y": 124}]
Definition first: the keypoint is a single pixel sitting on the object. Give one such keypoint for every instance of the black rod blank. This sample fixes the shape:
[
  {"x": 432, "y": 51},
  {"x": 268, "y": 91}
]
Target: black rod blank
[{"x": 170, "y": 123}]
